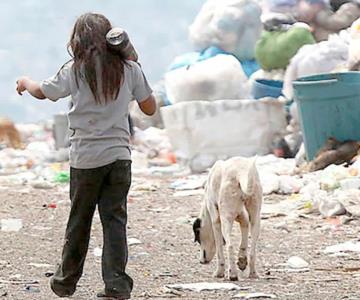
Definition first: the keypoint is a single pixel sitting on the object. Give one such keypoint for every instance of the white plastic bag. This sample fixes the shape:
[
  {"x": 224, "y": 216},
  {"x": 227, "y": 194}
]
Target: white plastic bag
[
  {"x": 270, "y": 182},
  {"x": 315, "y": 59},
  {"x": 220, "y": 77},
  {"x": 277, "y": 74},
  {"x": 233, "y": 25},
  {"x": 354, "y": 47},
  {"x": 331, "y": 177}
]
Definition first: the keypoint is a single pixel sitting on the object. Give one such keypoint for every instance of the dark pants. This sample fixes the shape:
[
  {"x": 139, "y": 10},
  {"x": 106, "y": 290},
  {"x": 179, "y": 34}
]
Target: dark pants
[{"x": 106, "y": 187}]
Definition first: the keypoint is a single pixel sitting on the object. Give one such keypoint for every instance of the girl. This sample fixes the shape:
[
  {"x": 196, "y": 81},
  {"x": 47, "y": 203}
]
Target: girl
[{"x": 101, "y": 83}]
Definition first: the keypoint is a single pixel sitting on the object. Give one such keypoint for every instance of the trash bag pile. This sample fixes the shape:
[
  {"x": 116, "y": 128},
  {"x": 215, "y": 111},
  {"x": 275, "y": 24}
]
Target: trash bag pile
[{"x": 246, "y": 52}]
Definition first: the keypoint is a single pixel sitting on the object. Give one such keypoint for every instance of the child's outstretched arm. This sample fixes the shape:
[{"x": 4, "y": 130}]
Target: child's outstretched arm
[{"x": 33, "y": 87}]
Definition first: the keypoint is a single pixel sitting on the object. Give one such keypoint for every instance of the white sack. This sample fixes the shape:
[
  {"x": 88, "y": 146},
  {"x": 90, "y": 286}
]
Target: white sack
[
  {"x": 220, "y": 77},
  {"x": 207, "y": 131},
  {"x": 233, "y": 25}
]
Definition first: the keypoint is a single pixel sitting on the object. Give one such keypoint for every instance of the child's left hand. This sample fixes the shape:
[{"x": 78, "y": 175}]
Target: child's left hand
[{"x": 21, "y": 85}]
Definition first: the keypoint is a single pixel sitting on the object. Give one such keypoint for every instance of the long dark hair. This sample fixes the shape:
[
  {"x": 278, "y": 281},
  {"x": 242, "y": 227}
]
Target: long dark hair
[{"x": 92, "y": 56}]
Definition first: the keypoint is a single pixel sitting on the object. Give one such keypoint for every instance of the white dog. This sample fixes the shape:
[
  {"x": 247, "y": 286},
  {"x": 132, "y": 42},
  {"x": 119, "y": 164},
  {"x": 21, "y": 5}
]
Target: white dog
[{"x": 233, "y": 193}]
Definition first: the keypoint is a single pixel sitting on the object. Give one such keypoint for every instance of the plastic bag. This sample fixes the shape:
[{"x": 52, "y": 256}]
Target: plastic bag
[
  {"x": 62, "y": 177},
  {"x": 220, "y": 77},
  {"x": 290, "y": 184},
  {"x": 314, "y": 59},
  {"x": 188, "y": 59},
  {"x": 270, "y": 182},
  {"x": 354, "y": 47},
  {"x": 233, "y": 25},
  {"x": 270, "y": 75},
  {"x": 275, "y": 49},
  {"x": 331, "y": 177}
]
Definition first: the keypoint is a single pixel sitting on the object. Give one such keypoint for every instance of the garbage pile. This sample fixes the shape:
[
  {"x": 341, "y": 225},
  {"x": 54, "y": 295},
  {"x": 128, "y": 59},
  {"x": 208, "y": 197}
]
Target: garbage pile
[
  {"x": 234, "y": 96},
  {"x": 329, "y": 192},
  {"x": 36, "y": 162}
]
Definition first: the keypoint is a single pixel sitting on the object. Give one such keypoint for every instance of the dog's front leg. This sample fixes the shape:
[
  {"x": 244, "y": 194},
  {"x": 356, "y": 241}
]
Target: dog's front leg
[
  {"x": 226, "y": 225},
  {"x": 220, "y": 270}
]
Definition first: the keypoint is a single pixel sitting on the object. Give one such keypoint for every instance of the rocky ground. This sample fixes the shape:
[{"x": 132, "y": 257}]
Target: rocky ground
[{"x": 167, "y": 253}]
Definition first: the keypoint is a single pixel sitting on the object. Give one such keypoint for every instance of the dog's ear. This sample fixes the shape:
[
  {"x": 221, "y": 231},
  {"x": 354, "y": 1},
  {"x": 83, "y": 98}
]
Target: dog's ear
[{"x": 196, "y": 229}]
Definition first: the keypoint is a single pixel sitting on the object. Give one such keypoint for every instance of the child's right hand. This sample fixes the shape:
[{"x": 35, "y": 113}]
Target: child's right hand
[{"x": 21, "y": 85}]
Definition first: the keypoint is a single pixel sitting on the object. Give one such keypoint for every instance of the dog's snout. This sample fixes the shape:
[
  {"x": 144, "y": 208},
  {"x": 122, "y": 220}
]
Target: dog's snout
[{"x": 204, "y": 262}]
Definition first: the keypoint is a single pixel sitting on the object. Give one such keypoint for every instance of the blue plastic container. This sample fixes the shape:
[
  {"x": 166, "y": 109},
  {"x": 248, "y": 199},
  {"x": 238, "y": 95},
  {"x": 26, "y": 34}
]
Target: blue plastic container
[
  {"x": 262, "y": 88},
  {"x": 329, "y": 106}
]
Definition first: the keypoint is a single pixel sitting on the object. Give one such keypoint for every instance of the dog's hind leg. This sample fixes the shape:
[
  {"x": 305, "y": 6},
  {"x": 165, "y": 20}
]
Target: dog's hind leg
[
  {"x": 254, "y": 215},
  {"x": 226, "y": 225},
  {"x": 243, "y": 219}
]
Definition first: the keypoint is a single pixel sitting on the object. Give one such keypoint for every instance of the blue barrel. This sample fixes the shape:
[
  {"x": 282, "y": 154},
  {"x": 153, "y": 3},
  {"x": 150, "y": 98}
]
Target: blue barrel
[
  {"x": 328, "y": 106},
  {"x": 262, "y": 88}
]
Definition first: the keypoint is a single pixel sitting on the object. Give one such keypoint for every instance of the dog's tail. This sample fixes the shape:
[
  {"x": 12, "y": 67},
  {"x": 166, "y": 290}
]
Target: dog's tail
[{"x": 248, "y": 186}]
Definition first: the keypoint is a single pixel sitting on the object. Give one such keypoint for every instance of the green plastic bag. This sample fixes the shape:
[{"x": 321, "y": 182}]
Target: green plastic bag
[
  {"x": 62, "y": 177},
  {"x": 275, "y": 49}
]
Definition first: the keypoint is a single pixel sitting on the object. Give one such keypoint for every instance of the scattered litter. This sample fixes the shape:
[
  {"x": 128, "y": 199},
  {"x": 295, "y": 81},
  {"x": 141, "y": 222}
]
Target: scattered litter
[
  {"x": 350, "y": 183},
  {"x": 52, "y": 205},
  {"x": 49, "y": 274},
  {"x": 296, "y": 262},
  {"x": 133, "y": 241},
  {"x": 192, "y": 183},
  {"x": 36, "y": 265},
  {"x": 270, "y": 182},
  {"x": 167, "y": 274},
  {"x": 287, "y": 270},
  {"x": 145, "y": 187},
  {"x": 189, "y": 193},
  {"x": 62, "y": 177},
  {"x": 349, "y": 199},
  {"x": 32, "y": 289},
  {"x": 142, "y": 254},
  {"x": 339, "y": 254},
  {"x": 254, "y": 296},
  {"x": 348, "y": 246},
  {"x": 282, "y": 226},
  {"x": 170, "y": 170},
  {"x": 42, "y": 228},
  {"x": 11, "y": 225},
  {"x": 98, "y": 252},
  {"x": 160, "y": 210},
  {"x": 184, "y": 220},
  {"x": 289, "y": 185},
  {"x": 18, "y": 282},
  {"x": 330, "y": 207},
  {"x": 206, "y": 286},
  {"x": 42, "y": 184}
]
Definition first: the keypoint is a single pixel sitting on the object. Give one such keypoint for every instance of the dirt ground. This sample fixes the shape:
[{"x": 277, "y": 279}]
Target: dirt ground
[{"x": 167, "y": 254}]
